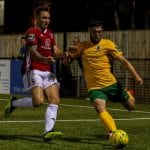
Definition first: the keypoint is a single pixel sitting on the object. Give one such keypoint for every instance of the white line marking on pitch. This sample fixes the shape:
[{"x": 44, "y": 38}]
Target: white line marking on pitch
[
  {"x": 3, "y": 99},
  {"x": 71, "y": 120},
  {"x": 92, "y": 108},
  {"x": 107, "y": 108}
]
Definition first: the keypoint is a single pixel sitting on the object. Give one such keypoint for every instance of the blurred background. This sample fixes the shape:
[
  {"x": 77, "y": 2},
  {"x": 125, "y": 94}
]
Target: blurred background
[
  {"x": 126, "y": 22},
  {"x": 73, "y": 15}
]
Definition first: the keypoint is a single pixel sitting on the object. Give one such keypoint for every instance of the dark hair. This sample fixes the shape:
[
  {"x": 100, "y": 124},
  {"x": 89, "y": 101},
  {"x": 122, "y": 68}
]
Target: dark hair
[
  {"x": 41, "y": 8},
  {"x": 39, "y": 3},
  {"x": 96, "y": 22}
]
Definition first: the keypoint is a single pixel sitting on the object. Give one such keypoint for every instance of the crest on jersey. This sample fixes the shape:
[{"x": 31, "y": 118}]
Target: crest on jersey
[{"x": 98, "y": 48}]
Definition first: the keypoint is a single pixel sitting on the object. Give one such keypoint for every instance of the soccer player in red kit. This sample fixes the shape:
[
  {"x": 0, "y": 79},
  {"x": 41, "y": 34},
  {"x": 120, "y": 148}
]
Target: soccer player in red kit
[{"x": 39, "y": 78}]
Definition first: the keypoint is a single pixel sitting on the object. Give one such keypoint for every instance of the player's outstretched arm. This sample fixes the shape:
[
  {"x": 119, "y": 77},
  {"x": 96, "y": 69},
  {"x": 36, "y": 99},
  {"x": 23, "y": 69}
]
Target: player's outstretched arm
[{"x": 129, "y": 66}]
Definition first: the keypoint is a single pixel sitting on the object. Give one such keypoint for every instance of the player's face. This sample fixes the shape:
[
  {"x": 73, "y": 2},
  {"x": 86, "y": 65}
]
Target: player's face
[
  {"x": 23, "y": 42},
  {"x": 43, "y": 19},
  {"x": 96, "y": 34},
  {"x": 75, "y": 41}
]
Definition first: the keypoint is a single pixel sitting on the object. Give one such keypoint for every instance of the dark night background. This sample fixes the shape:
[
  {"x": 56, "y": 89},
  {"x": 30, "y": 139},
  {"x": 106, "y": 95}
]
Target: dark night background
[{"x": 73, "y": 15}]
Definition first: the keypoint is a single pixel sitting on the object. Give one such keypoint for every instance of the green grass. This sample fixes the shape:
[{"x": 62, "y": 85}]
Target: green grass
[{"x": 81, "y": 127}]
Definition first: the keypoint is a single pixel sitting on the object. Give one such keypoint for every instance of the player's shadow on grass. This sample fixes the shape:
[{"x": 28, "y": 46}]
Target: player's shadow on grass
[
  {"x": 95, "y": 139},
  {"x": 80, "y": 140},
  {"x": 32, "y": 138}
]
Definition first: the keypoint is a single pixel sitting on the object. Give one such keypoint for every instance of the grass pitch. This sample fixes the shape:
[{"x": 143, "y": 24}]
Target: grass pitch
[{"x": 79, "y": 123}]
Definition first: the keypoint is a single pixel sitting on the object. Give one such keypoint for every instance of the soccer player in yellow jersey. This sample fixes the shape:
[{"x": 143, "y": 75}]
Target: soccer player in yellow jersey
[{"x": 97, "y": 55}]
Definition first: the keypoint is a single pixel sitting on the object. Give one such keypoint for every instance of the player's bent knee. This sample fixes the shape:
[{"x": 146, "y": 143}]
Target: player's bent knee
[
  {"x": 99, "y": 106},
  {"x": 37, "y": 103},
  {"x": 57, "y": 102}
]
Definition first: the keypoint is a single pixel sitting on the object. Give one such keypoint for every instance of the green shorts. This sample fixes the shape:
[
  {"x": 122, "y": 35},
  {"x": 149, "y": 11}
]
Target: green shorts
[{"x": 113, "y": 93}]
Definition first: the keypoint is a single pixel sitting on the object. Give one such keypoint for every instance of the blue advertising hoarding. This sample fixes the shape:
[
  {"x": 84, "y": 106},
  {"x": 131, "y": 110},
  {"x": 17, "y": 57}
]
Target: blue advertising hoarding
[
  {"x": 11, "y": 79},
  {"x": 16, "y": 78}
]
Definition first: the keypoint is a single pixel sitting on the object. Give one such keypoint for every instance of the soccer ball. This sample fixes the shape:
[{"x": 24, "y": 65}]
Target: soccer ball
[{"x": 118, "y": 139}]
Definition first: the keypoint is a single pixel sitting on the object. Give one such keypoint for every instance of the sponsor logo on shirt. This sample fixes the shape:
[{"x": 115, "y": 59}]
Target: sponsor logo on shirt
[{"x": 47, "y": 44}]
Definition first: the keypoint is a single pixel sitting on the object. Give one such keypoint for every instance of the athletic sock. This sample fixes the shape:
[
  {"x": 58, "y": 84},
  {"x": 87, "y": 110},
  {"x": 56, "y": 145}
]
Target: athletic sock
[
  {"x": 23, "y": 102},
  {"x": 107, "y": 121},
  {"x": 50, "y": 117}
]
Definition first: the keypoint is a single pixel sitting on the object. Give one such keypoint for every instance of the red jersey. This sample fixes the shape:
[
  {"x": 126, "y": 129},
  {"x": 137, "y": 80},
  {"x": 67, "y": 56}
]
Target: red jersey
[{"x": 44, "y": 40}]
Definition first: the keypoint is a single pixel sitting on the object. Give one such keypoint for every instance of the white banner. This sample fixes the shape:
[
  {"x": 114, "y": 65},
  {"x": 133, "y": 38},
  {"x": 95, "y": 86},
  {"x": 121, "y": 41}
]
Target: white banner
[
  {"x": 4, "y": 76},
  {"x": 1, "y": 12}
]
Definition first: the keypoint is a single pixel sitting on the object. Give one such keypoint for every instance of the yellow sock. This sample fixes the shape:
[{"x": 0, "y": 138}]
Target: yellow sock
[{"x": 108, "y": 121}]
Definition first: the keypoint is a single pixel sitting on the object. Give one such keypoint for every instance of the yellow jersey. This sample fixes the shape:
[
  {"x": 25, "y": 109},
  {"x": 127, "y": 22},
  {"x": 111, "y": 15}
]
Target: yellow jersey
[{"x": 97, "y": 61}]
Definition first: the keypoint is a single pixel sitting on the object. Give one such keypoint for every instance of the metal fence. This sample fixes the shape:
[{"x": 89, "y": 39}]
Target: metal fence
[{"x": 134, "y": 44}]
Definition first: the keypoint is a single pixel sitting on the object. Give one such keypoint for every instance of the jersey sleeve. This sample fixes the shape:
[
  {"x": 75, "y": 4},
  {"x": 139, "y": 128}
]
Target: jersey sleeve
[
  {"x": 31, "y": 37},
  {"x": 114, "y": 51}
]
